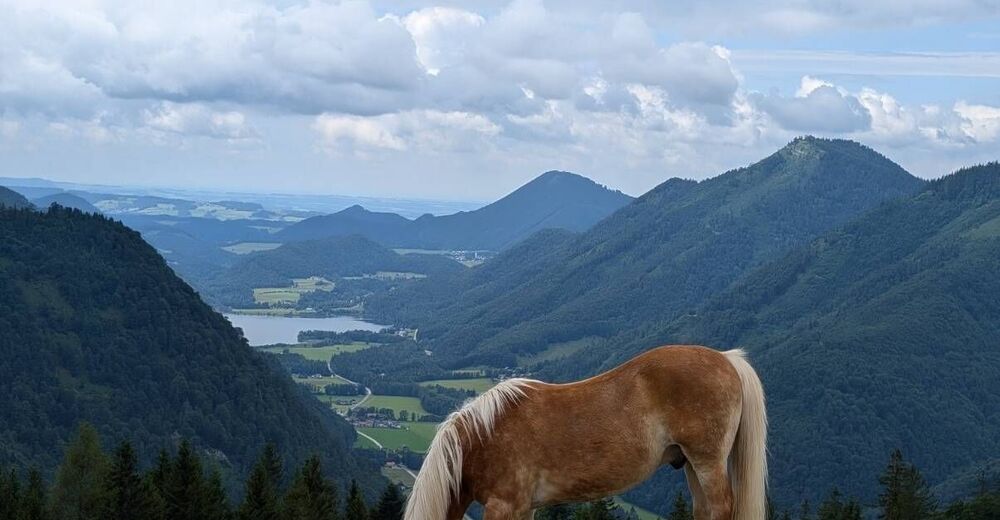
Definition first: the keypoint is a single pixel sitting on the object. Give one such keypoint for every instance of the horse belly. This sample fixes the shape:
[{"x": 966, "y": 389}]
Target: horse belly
[{"x": 609, "y": 465}]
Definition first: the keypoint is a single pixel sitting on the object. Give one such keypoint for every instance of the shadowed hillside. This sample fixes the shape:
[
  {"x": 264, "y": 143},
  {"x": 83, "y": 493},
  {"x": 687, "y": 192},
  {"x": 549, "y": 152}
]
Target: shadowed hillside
[{"x": 95, "y": 327}]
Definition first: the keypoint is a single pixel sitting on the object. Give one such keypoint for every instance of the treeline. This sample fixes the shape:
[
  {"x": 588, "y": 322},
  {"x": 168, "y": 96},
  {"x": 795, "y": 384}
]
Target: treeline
[
  {"x": 904, "y": 495},
  {"x": 93, "y": 485},
  {"x": 350, "y": 336},
  {"x": 299, "y": 365}
]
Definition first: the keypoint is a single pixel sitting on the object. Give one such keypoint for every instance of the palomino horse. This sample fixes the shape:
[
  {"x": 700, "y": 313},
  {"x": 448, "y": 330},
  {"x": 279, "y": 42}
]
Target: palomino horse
[{"x": 525, "y": 444}]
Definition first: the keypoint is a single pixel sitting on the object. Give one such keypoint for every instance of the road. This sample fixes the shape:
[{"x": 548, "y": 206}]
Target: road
[{"x": 368, "y": 391}]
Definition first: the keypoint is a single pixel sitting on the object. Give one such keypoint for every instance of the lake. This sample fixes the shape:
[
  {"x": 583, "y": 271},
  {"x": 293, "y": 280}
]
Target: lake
[{"x": 266, "y": 330}]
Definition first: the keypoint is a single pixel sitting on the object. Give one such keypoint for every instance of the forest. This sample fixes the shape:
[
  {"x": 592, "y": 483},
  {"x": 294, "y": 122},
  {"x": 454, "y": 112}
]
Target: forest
[{"x": 92, "y": 483}]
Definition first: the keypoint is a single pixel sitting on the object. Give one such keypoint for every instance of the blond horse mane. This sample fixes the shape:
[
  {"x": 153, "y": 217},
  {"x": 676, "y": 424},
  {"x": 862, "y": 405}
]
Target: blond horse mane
[{"x": 440, "y": 478}]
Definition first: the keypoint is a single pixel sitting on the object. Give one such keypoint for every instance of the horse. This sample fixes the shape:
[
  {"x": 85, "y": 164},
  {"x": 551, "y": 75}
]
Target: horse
[{"x": 526, "y": 444}]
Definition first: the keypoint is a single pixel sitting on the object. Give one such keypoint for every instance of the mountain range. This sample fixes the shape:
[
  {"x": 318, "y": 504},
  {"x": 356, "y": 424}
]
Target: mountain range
[
  {"x": 12, "y": 199},
  {"x": 552, "y": 200},
  {"x": 867, "y": 299}
]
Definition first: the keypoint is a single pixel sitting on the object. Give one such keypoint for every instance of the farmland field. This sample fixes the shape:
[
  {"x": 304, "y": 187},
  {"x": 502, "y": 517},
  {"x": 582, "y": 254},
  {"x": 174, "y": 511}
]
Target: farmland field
[
  {"x": 291, "y": 295},
  {"x": 417, "y": 436},
  {"x": 643, "y": 514},
  {"x": 397, "y": 403},
  {"x": 317, "y": 383},
  {"x": 478, "y": 385},
  {"x": 320, "y": 353}
]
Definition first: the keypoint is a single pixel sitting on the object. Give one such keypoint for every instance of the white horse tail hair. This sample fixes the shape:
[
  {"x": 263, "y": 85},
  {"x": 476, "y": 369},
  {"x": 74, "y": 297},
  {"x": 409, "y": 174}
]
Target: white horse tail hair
[
  {"x": 748, "y": 460},
  {"x": 440, "y": 477}
]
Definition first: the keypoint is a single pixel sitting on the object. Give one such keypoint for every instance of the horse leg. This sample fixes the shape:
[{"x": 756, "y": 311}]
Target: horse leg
[
  {"x": 716, "y": 490},
  {"x": 698, "y": 502}
]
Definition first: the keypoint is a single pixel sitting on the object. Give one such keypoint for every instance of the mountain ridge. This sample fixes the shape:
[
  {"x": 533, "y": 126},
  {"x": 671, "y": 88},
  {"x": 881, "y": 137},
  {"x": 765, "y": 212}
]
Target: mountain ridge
[{"x": 553, "y": 199}]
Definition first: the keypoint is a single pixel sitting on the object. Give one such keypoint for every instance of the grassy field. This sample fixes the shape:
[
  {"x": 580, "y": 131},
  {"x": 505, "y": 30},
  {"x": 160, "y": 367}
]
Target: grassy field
[
  {"x": 317, "y": 383},
  {"x": 320, "y": 353},
  {"x": 291, "y": 295},
  {"x": 397, "y": 403},
  {"x": 478, "y": 385},
  {"x": 398, "y": 475},
  {"x": 244, "y": 248},
  {"x": 556, "y": 351},
  {"x": 417, "y": 436}
]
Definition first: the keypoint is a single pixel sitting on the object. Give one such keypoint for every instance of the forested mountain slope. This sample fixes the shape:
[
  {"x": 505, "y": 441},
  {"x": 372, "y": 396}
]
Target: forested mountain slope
[
  {"x": 66, "y": 200},
  {"x": 95, "y": 327},
  {"x": 331, "y": 258},
  {"x": 553, "y": 200},
  {"x": 884, "y": 333},
  {"x": 12, "y": 199},
  {"x": 655, "y": 259}
]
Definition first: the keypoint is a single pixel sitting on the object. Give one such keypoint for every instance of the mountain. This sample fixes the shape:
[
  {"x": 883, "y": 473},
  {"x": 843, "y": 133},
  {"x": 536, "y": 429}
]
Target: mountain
[
  {"x": 658, "y": 258},
  {"x": 333, "y": 258},
  {"x": 95, "y": 327},
  {"x": 880, "y": 334},
  {"x": 66, "y": 200},
  {"x": 12, "y": 199},
  {"x": 552, "y": 200}
]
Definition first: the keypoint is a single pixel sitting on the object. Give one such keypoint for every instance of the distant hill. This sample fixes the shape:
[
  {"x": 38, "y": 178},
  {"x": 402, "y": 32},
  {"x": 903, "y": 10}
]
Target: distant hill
[
  {"x": 880, "y": 334},
  {"x": 331, "y": 258},
  {"x": 12, "y": 199},
  {"x": 66, "y": 200},
  {"x": 653, "y": 260},
  {"x": 553, "y": 200},
  {"x": 96, "y": 327}
]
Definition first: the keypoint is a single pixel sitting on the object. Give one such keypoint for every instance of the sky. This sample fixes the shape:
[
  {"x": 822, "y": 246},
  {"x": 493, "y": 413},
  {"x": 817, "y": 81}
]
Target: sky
[{"x": 468, "y": 100}]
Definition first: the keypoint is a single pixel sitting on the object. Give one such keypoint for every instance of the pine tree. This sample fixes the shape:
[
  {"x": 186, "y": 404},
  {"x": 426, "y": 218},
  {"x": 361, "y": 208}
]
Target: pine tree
[
  {"x": 556, "y": 512},
  {"x": 602, "y": 509},
  {"x": 160, "y": 474},
  {"x": 10, "y": 494},
  {"x": 311, "y": 496},
  {"x": 390, "y": 504},
  {"x": 32, "y": 503},
  {"x": 184, "y": 498},
  {"x": 836, "y": 508},
  {"x": 260, "y": 501},
  {"x": 356, "y": 509},
  {"x": 215, "y": 500},
  {"x": 681, "y": 510},
  {"x": 905, "y": 494},
  {"x": 78, "y": 493},
  {"x": 271, "y": 460},
  {"x": 128, "y": 497}
]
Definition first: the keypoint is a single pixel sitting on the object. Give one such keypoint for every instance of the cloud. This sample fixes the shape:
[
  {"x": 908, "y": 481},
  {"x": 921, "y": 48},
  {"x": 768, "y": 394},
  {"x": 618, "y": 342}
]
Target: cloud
[
  {"x": 199, "y": 121},
  {"x": 418, "y": 131},
  {"x": 818, "y": 106}
]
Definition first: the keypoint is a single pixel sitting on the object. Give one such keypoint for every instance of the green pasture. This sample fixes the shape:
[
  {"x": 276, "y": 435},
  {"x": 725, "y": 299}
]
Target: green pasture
[
  {"x": 478, "y": 385},
  {"x": 323, "y": 353},
  {"x": 417, "y": 436}
]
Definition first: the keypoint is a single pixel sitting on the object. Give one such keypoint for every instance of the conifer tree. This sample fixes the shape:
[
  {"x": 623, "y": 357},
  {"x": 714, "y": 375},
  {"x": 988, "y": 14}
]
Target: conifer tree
[
  {"x": 260, "y": 501},
  {"x": 905, "y": 494},
  {"x": 602, "y": 509},
  {"x": 10, "y": 494},
  {"x": 216, "y": 502},
  {"x": 78, "y": 493},
  {"x": 127, "y": 496},
  {"x": 390, "y": 504},
  {"x": 555, "y": 512},
  {"x": 184, "y": 497},
  {"x": 356, "y": 509},
  {"x": 681, "y": 511},
  {"x": 311, "y": 496},
  {"x": 32, "y": 505}
]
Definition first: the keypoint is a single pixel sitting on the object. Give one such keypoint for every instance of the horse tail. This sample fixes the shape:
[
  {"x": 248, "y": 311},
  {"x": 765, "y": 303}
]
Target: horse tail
[
  {"x": 440, "y": 477},
  {"x": 748, "y": 463}
]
